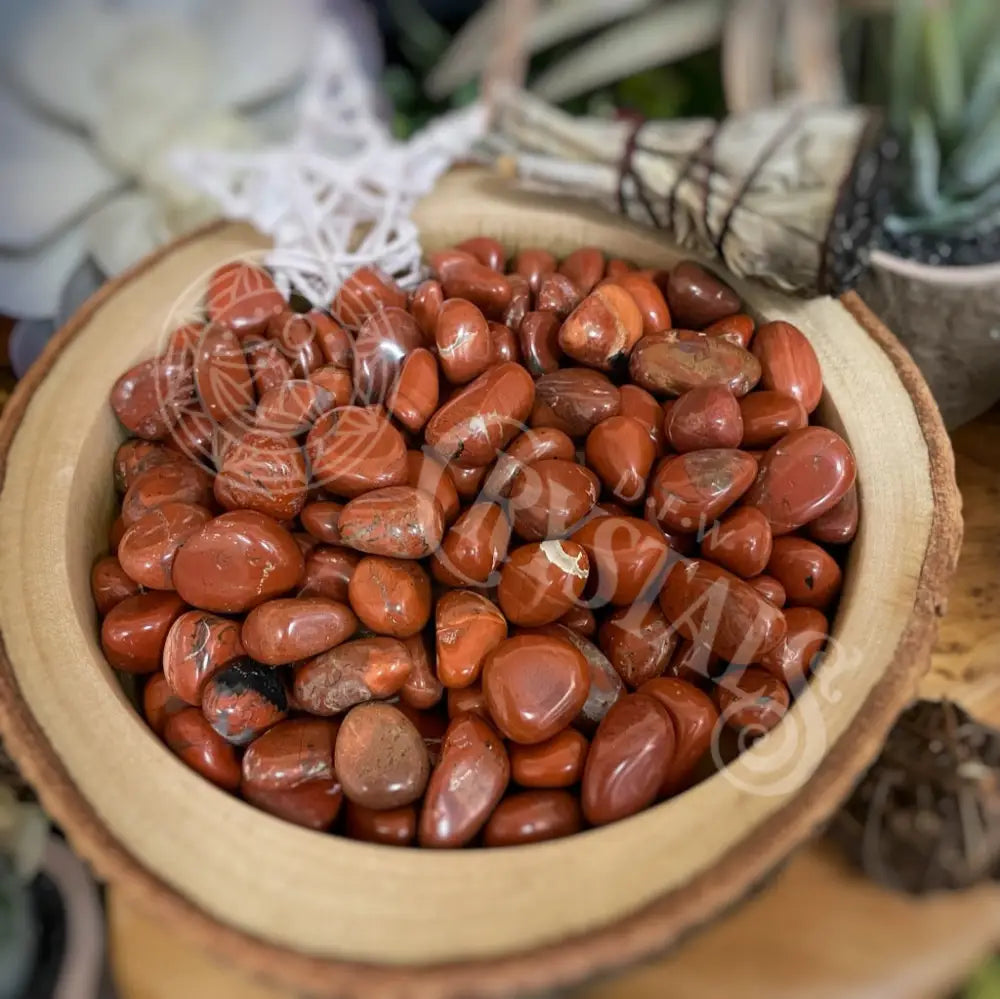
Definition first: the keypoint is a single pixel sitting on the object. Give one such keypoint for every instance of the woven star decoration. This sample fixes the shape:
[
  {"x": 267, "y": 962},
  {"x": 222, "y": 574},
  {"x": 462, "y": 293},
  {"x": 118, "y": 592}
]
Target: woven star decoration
[{"x": 341, "y": 193}]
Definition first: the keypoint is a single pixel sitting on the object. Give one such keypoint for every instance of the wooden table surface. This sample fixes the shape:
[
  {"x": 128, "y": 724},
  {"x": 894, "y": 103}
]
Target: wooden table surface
[{"x": 819, "y": 930}]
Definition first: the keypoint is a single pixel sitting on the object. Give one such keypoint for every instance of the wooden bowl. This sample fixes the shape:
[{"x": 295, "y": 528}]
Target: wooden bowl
[{"x": 329, "y": 916}]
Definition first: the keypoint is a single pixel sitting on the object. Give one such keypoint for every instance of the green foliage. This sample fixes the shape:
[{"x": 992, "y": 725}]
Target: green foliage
[
  {"x": 944, "y": 104},
  {"x": 690, "y": 88},
  {"x": 682, "y": 77},
  {"x": 985, "y": 983}
]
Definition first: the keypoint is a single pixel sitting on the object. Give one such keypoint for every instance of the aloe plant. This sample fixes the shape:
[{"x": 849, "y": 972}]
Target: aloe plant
[
  {"x": 656, "y": 57},
  {"x": 944, "y": 106},
  {"x": 610, "y": 42}
]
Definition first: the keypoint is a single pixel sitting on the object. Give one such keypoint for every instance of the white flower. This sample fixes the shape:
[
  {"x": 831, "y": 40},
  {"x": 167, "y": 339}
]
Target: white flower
[
  {"x": 98, "y": 94},
  {"x": 165, "y": 139}
]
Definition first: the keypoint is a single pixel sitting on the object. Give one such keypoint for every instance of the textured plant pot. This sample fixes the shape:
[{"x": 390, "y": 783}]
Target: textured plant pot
[{"x": 949, "y": 318}]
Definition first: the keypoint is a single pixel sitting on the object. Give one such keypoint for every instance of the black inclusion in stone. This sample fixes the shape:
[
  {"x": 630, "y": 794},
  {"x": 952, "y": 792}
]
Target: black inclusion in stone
[
  {"x": 244, "y": 700},
  {"x": 246, "y": 676}
]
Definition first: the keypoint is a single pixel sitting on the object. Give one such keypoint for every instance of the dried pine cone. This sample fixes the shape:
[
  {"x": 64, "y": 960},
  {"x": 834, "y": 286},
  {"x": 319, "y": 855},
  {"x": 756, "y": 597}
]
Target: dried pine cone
[{"x": 926, "y": 816}]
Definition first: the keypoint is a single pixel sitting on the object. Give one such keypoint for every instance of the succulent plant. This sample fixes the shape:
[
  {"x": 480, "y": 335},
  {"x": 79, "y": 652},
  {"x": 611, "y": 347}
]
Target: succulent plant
[
  {"x": 610, "y": 41},
  {"x": 940, "y": 84},
  {"x": 944, "y": 106},
  {"x": 656, "y": 57}
]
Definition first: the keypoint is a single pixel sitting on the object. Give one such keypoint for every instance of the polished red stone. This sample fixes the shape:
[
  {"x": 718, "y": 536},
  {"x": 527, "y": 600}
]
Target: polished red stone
[
  {"x": 802, "y": 477},
  {"x": 808, "y": 573},
  {"x": 199, "y": 645},
  {"x": 794, "y": 657},
  {"x": 603, "y": 328},
  {"x": 466, "y": 785},
  {"x": 190, "y": 737},
  {"x": 351, "y": 673},
  {"x": 237, "y": 561},
  {"x": 788, "y": 363},
  {"x": 390, "y": 826},
  {"x": 673, "y": 362},
  {"x": 705, "y": 417},
  {"x": 652, "y": 305},
  {"x": 397, "y": 521},
  {"x": 752, "y": 701},
  {"x": 639, "y": 641},
  {"x": 484, "y": 417},
  {"x": 621, "y": 451},
  {"x": 697, "y": 297},
  {"x": 353, "y": 450},
  {"x": 462, "y": 336},
  {"x": 414, "y": 395},
  {"x": 266, "y": 472},
  {"x": 556, "y": 762},
  {"x": 768, "y": 416},
  {"x": 533, "y": 264},
  {"x": 574, "y": 400},
  {"x": 380, "y": 758},
  {"x": 741, "y": 542},
  {"x": 390, "y": 596},
  {"x": 691, "y": 490},
  {"x": 285, "y": 630},
  {"x": 627, "y": 557},
  {"x": 467, "y": 627},
  {"x": 135, "y": 630},
  {"x": 532, "y": 817},
  {"x": 381, "y": 347},
  {"x": 292, "y": 753},
  {"x": 840, "y": 523},
  {"x": 243, "y": 298},
  {"x": 712, "y": 606},
  {"x": 535, "y": 685},
  {"x": 244, "y": 700},
  {"x": 110, "y": 584},
  {"x": 540, "y": 582},
  {"x": 695, "y": 720},
  {"x": 629, "y": 759},
  {"x": 549, "y": 498},
  {"x": 473, "y": 547},
  {"x": 159, "y": 702}
]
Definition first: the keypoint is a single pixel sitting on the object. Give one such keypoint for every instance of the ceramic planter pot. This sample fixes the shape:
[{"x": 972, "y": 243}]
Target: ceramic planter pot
[{"x": 949, "y": 319}]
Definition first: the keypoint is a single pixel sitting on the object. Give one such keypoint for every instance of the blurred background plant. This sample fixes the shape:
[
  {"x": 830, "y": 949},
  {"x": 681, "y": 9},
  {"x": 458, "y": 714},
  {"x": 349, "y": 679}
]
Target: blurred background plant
[
  {"x": 23, "y": 834},
  {"x": 657, "y": 59},
  {"x": 95, "y": 95},
  {"x": 985, "y": 983},
  {"x": 934, "y": 65},
  {"x": 51, "y": 923},
  {"x": 941, "y": 88},
  {"x": 87, "y": 189}
]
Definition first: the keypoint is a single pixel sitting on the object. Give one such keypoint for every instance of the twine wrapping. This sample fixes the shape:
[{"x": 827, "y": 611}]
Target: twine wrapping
[{"x": 786, "y": 195}]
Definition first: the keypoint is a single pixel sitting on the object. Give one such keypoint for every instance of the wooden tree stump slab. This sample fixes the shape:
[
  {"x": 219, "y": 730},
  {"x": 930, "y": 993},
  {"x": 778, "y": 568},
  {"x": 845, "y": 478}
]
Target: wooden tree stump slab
[
  {"x": 183, "y": 851},
  {"x": 966, "y": 662}
]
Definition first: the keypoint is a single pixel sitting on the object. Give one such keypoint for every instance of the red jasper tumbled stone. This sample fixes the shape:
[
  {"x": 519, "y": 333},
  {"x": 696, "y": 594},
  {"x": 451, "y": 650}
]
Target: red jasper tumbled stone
[{"x": 480, "y": 561}]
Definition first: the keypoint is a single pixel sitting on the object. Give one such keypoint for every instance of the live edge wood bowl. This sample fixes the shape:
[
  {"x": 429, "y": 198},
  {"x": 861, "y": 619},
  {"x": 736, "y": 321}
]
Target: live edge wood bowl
[{"x": 327, "y": 916}]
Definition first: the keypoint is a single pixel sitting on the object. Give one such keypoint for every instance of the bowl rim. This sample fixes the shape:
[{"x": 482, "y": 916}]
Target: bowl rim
[{"x": 603, "y": 949}]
